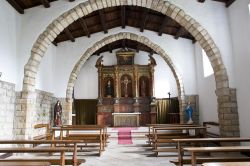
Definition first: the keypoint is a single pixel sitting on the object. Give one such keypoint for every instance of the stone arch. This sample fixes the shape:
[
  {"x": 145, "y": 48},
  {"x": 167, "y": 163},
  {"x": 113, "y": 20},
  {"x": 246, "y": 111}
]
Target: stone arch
[
  {"x": 134, "y": 37},
  {"x": 227, "y": 107}
]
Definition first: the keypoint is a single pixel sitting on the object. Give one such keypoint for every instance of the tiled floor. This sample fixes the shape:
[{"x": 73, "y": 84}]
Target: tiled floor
[{"x": 137, "y": 154}]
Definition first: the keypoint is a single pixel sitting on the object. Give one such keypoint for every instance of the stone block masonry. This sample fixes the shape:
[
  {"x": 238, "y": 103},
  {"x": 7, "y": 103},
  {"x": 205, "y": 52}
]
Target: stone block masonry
[{"x": 7, "y": 109}]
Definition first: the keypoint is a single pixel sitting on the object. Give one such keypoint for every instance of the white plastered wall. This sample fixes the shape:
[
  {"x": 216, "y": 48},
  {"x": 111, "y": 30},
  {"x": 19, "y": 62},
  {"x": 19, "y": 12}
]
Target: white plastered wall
[
  {"x": 9, "y": 32},
  {"x": 240, "y": 26}
]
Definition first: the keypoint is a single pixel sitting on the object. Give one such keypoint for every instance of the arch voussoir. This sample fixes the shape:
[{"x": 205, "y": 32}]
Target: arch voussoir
[
  {"x": 167, "y": 8},
  {"x": 120, "y": 36}
]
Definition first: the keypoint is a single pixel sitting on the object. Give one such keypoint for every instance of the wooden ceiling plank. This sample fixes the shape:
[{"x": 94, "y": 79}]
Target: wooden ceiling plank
[
  {"x": 123, "y": 16},
  {"x": 181, "y": 31},
  {"x": 45, "y": 3},
  {"x": 229, "y": 2},
  {"x": 84, "y": 26},
  {"x": 102, "y": 18},
  {"x": 14, "y": 4},
  {"x": 69, "y": 34},
  {"x": 144, "y": 19},
  {"x": 164, "y": 23}
]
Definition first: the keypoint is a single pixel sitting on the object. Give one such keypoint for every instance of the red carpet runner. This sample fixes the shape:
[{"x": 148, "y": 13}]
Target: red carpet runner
[{"x": 124, "y": 135}]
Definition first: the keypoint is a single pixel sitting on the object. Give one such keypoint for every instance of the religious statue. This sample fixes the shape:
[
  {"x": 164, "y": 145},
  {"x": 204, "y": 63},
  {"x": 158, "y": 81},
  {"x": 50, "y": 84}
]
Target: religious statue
[
  {"x": 126, "y": 81},
  {"x": 189, "y": 113},
  {"x": 109, "y": 89},
  {"x": 99, "y": 62},
  {"x": 58, "y": 114},
  {"x": 152, "y": 60}
]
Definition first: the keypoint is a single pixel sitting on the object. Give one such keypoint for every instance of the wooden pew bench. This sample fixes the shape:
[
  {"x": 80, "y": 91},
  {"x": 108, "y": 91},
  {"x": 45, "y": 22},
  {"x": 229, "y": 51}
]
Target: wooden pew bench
[
  {"x": 213, "y": 131},
  {"x": 23, "y": 163},
  {"x": 227, "y": 164},
  {"x": 190, "y": 142},
  {"x": 152, "y": 126},
  {"x": 163, "y": 137},
  {"x": 60, "y": 150},
  {"x": 62, "y": 147},
  {"x": 93, "y": 137},
  {"x": 196, "y": 159},
  {"x": 104, "y": 128},
  {"x": 46, "y": 135}
]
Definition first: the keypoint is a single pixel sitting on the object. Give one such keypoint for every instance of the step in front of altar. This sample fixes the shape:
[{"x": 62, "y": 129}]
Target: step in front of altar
[{"x": 136, "y": 133}]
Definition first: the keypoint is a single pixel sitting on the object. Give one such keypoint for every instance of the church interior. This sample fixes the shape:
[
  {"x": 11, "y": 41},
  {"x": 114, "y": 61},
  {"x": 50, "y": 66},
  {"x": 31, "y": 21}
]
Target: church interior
[{"x": 124, "y": 82}]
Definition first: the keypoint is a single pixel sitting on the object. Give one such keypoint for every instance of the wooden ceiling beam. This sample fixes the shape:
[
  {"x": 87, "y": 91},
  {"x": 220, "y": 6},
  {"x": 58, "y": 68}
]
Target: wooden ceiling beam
[
  {"x": 54, "y": 43},
  {"x": 110, "y": 48},
  {"x": 164, "y": 23},
  {"x": 123, "y": 44},
  {"x": 102, "y": 18},
  {"x": 123, "y": 16},
  {"x": 84, "y": 26},
  {"x": 15, "y": 5},
  {"x": 229, "y": 2},
  {"x": 181, "y": 31},
  {"x": 138, "y": 47},
  {"x": 144, "y": 19},
  {"x": 45, "y": 3},
  {"x": 69, "y": 34}
]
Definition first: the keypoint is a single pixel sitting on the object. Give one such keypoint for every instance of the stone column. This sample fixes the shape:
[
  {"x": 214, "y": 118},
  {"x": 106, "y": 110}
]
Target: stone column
[
  {"x": 136, "y": 82},
  {"x": 152, "y": 81},
  {"x": 24, "y": 122},
  {"x": 100, "y": 95},
  {"x": 117, "y": 94},
  {"x": 136, "y": 87},
  {"x": 67, "y": 112}
]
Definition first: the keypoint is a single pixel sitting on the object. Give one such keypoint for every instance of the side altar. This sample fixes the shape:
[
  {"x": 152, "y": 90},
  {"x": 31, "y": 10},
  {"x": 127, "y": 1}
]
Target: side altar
[{"x": 126, "y": 92}]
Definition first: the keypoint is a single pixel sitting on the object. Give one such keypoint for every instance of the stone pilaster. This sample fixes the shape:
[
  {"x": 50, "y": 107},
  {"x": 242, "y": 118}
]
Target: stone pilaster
[
  {"x": 67, "y": 111},
  {"x": 228, "y": 112},
  {"x": 24, "y": 115},
  {"x": 7, "y": 109}
]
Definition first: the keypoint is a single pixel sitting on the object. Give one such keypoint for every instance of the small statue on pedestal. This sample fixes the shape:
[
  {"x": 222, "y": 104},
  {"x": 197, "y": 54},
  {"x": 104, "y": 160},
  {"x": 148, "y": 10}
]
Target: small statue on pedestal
[
  {"x": 189, "y": 113},
  {"x": 58, "y": 114}
]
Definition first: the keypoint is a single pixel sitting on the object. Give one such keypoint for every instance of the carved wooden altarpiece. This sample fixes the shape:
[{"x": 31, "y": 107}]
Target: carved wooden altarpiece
[{"x": 126, "y": 88}]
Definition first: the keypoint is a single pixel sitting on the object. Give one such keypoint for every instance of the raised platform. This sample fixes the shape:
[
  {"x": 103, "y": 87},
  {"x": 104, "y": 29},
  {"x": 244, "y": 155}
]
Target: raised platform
[{"x": 136, "y": 132}]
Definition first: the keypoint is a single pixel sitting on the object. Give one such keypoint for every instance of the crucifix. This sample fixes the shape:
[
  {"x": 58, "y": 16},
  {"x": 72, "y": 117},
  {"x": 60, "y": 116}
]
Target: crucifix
[{"x": 126, "y": 81}]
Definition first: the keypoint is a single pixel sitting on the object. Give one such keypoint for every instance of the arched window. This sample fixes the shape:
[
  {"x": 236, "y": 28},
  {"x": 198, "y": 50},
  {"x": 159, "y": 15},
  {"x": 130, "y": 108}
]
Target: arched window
[{"x": 207, "y": 68}]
